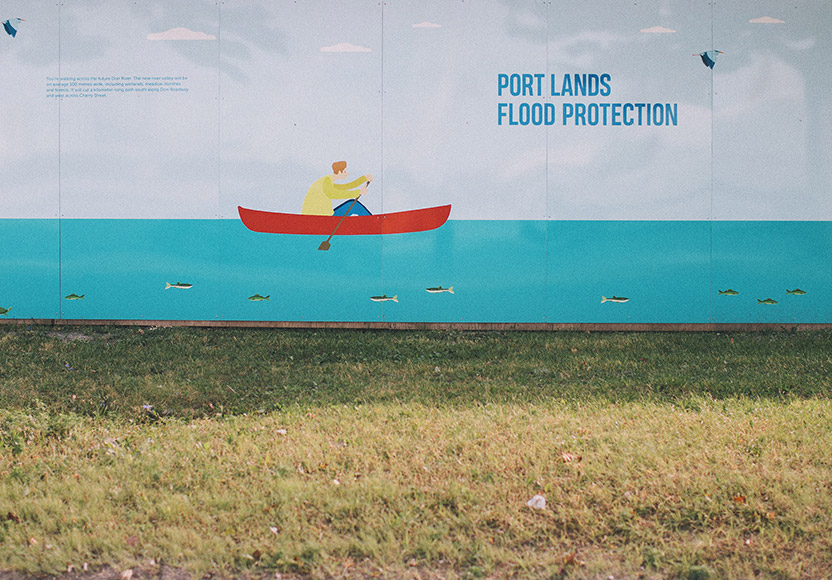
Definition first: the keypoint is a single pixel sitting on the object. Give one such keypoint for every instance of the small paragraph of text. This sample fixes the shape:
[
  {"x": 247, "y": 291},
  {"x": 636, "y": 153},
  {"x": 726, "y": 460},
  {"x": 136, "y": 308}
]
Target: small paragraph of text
[{"x": 93, "y": 87}]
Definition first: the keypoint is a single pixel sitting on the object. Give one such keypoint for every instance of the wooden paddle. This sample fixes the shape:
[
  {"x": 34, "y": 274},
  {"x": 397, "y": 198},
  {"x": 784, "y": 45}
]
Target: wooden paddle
[{"x": 325, "y": 244}]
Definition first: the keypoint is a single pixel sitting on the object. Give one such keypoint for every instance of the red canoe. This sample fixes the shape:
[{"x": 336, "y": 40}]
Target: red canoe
[{"x": 417, "y": 220}]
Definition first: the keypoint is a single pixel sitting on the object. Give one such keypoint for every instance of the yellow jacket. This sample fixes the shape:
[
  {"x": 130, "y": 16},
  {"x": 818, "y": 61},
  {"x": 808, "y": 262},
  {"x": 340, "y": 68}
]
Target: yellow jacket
[{"x": 318, "y": 200}]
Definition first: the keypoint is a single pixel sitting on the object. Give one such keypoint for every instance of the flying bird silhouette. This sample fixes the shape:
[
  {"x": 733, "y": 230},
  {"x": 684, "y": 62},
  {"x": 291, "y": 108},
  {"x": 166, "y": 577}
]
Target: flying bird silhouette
[
  {"x": 10, "y": 26},
  {"x": 709, "y": 57}
]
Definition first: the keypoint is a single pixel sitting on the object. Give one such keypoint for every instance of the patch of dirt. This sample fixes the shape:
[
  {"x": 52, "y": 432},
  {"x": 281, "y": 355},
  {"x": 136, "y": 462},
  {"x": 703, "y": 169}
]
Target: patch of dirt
[
  {"x": 72, "y": 335},
  {"x": 75, "y": 335}
]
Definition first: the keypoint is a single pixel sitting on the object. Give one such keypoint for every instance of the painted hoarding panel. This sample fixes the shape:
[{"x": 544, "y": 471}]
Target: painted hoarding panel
[
  {"x": 443, "y": 144},
  {"x": 616, "y": 155},
  {"x": 321, "y": 102},
  {"x": 772, "y": 143},
  {"x": 132, "y": 141},
  {"x": 29, "y": 166},
  {"x": 658, "y": 162}
]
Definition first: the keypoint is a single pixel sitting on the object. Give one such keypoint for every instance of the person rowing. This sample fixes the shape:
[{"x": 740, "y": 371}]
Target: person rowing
[{"x": 318, "y": 200}]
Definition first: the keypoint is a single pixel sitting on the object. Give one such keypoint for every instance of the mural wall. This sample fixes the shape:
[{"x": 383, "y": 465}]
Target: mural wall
[{"x": 663, "y": 161}]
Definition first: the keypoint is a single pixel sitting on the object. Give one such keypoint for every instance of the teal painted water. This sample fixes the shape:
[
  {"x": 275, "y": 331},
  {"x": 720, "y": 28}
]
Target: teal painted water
[{"x": 501, "y": 271}]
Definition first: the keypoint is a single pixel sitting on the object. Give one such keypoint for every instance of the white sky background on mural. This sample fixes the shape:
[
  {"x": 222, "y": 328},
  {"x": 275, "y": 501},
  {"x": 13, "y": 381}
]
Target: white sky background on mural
[{"x": 410, "y": 95}]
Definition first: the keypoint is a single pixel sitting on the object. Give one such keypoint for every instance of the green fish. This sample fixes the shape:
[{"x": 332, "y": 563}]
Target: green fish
[
  {"x": 258, "y": 298},
  {"x": 618, "y": 299},
  {"x": 796, "y": 292},
  {"x": 180, "y": 285},
  {"x": 75, "y": 297},
  {"x": 439, "y": 289},
  {"x": 4, "y": 311},
  {"x": 767, "y": 301},
  {"x": 385, "y": 298},
  {"x": 728, "y": 292}
]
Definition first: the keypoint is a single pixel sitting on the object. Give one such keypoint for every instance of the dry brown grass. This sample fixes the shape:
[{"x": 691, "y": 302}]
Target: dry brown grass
[{"x": 720, "y": 489}]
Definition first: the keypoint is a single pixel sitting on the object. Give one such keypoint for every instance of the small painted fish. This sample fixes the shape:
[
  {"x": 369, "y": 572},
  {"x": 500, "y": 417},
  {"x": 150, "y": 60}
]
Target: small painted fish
[
  {"x": 179, "y": 285},
  {"x": 767, "y": 301},
  {"x": 4, "y": 311},
  {"x": 796, "y": 292},
  {"x": 258, "y": 298},
  {"x": 618, "y": 299},
  {"x": 75, "y": 297},
  {"x": 385, "y": 298},
  {"x": 728, "y": 292},
  {"x": 438, "y": 289}
]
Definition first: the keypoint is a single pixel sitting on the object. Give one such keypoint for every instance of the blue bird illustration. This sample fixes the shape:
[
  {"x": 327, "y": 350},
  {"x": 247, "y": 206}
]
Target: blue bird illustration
[
  {"x": 11, "y": 25},
  {"x": 709, "y": 57}
]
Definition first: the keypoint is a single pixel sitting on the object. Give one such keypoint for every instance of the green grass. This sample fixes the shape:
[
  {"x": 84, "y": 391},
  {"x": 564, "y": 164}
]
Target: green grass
[
  {"x": 190, "y": 373},
  {"x": 413, "y": 454}
]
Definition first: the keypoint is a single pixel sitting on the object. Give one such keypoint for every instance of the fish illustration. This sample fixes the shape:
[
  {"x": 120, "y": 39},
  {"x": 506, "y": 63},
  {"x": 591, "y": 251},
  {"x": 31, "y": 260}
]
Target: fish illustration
[
  {"x": 796, "y": 292},
  {"x": 4, "y": 311},
  {"x": 767, "y": 301},
  {"x": 258, "y": 298},
  {"x": 618, "y": 299},
  {"x": 728, "y": 292},
  {"x": 75, "y": 297},
  {"x": 438, "y": 289},
  {"x": 180, "y": 285},
  {"x": 385, "y": 298}
]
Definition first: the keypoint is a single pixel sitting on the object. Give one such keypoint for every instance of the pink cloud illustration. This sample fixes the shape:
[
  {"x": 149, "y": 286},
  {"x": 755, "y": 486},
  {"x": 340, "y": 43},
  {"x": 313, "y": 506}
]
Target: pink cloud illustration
[
  {"x": 657, "y": 30},
  {"x": 180, "y": 34},
  {"x": 766, "y": 20},
  {"x": 344, "y": 47}
]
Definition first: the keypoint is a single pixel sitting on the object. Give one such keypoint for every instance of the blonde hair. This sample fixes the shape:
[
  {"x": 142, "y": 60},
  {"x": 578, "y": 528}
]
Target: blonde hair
[{"x": 339, "y": 166}]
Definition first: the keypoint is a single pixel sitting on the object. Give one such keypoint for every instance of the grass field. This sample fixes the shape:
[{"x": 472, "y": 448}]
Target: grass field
[{"x": 364, "y": 454}]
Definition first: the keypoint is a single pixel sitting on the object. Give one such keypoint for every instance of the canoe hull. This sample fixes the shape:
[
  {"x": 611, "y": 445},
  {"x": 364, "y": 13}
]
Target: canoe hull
[{"x": 417, "y": 220}]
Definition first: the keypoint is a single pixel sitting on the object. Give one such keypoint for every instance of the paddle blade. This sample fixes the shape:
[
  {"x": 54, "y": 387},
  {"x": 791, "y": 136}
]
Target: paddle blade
[{"x": 324, "y": 245}]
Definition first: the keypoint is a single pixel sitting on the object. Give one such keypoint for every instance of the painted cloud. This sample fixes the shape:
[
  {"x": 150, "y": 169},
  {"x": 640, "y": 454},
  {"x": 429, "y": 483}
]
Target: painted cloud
[
  {"x": 180, "y": 34},
  {"x": 657, "y": 30},
  {"x": 766, "y": 20},
  {"x": 344, "y": 47}
]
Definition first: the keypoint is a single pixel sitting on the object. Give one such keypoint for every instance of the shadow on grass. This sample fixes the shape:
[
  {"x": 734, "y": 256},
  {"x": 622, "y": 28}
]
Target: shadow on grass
[{"x": 187, "y": 372}]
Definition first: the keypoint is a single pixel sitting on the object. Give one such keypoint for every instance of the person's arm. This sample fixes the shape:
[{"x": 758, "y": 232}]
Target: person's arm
[{"x": 345, "y": 190}]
